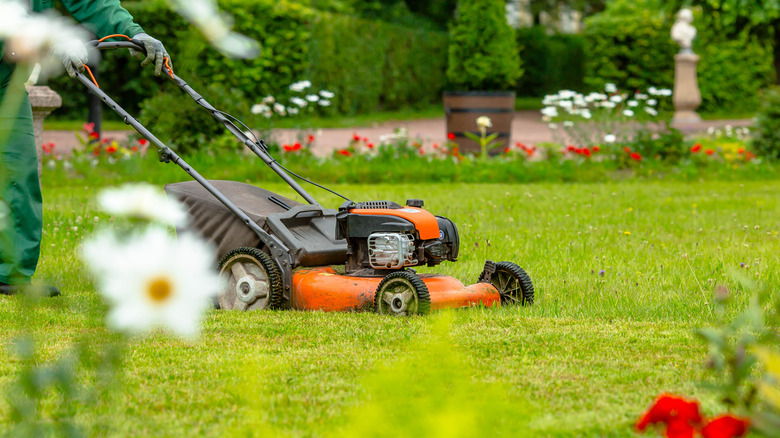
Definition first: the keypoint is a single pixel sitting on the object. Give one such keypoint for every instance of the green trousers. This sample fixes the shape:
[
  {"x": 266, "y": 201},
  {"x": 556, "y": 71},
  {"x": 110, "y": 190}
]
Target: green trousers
[{"x": 20, "y": 238}]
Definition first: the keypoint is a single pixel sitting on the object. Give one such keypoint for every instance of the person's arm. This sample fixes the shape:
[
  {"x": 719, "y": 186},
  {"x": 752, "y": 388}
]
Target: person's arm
[{"x": 103, "y": 17}]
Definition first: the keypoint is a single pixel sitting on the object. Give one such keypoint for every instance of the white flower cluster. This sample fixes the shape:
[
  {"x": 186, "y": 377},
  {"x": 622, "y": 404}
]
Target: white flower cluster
[
  {"x": 400, "y": 135},
  {"x": 729, "y": 131},
  {"x": 586, "y": 105},
  {"x": 269, "y": 106}
]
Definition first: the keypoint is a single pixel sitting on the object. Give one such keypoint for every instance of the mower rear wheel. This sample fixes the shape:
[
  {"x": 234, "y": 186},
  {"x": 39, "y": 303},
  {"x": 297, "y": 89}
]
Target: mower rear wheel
[
  {"x": 251, "y": 280},
  {"x": 402, "y": 293},
  {"x": 513, "y": 284}
]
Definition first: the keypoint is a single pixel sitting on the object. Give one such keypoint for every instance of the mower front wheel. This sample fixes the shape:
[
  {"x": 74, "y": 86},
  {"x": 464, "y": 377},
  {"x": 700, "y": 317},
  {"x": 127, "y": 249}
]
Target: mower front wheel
[
  {"x": 513, "y": 284},
  {"x": 402, "y": 293},
  {"x": 251, "y": 280}
]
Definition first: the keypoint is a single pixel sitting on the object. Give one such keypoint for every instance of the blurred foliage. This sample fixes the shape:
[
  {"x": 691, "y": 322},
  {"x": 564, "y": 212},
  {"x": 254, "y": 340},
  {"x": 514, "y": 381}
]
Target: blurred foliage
[
  {"x": 629, "y": 45},
  {"x": 482, "y": 52},
  {"x": 551, "y": 62},
  {"x": 732, "y": 17},
  {"x": 767, "y": 132}
]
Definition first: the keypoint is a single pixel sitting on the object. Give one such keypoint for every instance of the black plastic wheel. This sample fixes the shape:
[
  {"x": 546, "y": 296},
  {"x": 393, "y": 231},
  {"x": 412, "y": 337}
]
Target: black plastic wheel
[
  {"x": 513, "y": 284},
  {"x": 402, "y": 293},
  {"x": 252, "y": 280}
]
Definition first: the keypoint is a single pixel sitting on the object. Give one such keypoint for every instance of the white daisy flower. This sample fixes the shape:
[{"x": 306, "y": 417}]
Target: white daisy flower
[
  {"x": 300, "y": 86},
  {"x": 269, "y": 100},
  {"x": 632, "y": 103},
  {"x": 586, "y": 114},
  {"x": 153, "y": 279},
  {"x": 651, "y": 111},
  {"x": 628, "y": 113},
  {"x": 292, "y": 111},
  {"x": 280, "y": 109},
  {"x": 259, "y": 108},
  {"x": 327, "y": 94},
  {"x": 610, "y": 138},
  {"x": 550, "y": 111},
  {"x": 312, "y": 97},
  {"x": 298, "y": 101},
  {"x": 652, "y": 102},
  {"x": 610, "y": 88},
  {"x": 143, "y": 201},
  {"x": 616, "y": 98},
  {"x": 324, "y": 102}
]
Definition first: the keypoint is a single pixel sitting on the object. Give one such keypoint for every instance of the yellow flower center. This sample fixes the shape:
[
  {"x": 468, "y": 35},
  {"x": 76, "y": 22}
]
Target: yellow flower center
[{"x": 159, "y": 289}]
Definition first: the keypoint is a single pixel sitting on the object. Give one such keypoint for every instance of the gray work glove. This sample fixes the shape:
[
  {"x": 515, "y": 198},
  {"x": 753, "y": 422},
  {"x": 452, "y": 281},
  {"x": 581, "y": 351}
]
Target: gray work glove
[
  {"x": 155, "y": 52},
  {"x": 73, "y": 55}
]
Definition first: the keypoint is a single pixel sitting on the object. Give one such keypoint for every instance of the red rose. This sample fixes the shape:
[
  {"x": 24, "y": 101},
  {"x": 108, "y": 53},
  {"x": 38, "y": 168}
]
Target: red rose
[
  {"x": 725, "y": 426},
  {"x": 679, "y": 415},
  {"x": 451, "y": 136},
  {"x": 636, "y": 156},
  {"x": 696, "y": 148}
]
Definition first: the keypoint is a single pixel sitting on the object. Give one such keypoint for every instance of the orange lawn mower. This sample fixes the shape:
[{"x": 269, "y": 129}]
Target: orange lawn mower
[{"x": 277, "y": 253}]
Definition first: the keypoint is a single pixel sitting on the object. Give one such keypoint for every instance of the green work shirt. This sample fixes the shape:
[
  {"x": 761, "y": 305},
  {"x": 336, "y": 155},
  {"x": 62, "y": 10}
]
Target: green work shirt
[{"x": 101, "y": 17}]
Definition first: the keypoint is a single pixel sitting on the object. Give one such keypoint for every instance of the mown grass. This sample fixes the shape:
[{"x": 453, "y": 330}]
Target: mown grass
[{"x": 584, "y": 360}]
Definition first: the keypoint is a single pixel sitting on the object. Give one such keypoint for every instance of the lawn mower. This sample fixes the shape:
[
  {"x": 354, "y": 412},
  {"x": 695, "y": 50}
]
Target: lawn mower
[{"x": 275, "y": 252}]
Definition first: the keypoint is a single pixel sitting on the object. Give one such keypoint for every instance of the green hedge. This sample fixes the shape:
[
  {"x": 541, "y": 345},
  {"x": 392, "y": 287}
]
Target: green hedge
[
  {"x": 632, "y": 48},
  {"x": 552, "y": 62},
  {"x": 371, "y": 65}
]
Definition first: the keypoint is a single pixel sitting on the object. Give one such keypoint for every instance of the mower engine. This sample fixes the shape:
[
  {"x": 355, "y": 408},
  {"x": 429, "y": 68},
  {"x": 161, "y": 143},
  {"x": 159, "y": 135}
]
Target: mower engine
[{"x": 384, "y": 236}]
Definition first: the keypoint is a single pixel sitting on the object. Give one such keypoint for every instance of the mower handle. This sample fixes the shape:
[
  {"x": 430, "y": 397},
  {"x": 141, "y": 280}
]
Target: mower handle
[{"x": 257, "y": 148}]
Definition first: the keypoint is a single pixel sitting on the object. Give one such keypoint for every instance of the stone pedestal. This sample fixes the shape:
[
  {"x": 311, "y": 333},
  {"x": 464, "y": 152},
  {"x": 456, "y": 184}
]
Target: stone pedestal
[
  {"x": 686, "y": 90},
  {"x": 43, "y": 100}
]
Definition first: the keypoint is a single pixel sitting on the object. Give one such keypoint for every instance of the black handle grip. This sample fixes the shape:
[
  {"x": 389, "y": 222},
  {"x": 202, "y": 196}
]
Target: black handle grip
[{"x": 106, "y": 45}]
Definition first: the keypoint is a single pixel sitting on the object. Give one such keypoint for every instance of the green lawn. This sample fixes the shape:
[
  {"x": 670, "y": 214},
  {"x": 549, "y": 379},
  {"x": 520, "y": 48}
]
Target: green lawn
[{"x": 585, "y": 360}]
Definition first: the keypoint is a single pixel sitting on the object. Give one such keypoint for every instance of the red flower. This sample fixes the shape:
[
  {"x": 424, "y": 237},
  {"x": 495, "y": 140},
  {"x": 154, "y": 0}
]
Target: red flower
[
  {"x": 725, "y": 426},
  {"x": 709, "y": 152},
  {"x": 521, "y": 146},
  {"x": 627, "y": 149},
  {"x": 94, "y": 135},
  {"x": 287, "y": 148},
  {"x": 345, "y": 152},
  {"x": 586, "y": 152},
  {"x": 696, "y": 148},
  {"x": 749, "y": 155},
  {"x": 422, "y": 151},
  {"x": 89, "y": 128},
  {"x": 506, "y": 150},
  {"x": 370, "y": 145},
  {"x": 571, "y": 148},
  {"x": 436, "y": 145},
  {"x": 111, "y": 149},
  {"x": 596, "y": 148},
  {"x": 47, "y": 148},
  {"x": 310, "y": 139},
  {"x": 530, "y": 151},
  {"x": 678, "y": 414},
  {"x": 635, "y": 156},
  {"x": 96, "y": 151},
  {"x": 355, "y": 137},
  {"x": 450, "y": 136},
  {"x": 296, "y": 146},
  {"x": 741, "y": 150},
  {"x": 365, "y": 139},
  {"x": 134, "y": 148},
  {"x": 143, "y": 141}
]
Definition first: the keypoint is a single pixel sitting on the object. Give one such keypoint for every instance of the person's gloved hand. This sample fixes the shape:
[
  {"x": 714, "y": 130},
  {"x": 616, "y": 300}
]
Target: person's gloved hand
[
  {"x": 73, "y": 55},
  {"x": 155, "y": 52}
]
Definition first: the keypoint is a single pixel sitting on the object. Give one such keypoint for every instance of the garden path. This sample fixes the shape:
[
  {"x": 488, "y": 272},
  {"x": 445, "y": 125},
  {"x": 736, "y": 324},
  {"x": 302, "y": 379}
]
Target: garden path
[{"x": 527, "y": 127}]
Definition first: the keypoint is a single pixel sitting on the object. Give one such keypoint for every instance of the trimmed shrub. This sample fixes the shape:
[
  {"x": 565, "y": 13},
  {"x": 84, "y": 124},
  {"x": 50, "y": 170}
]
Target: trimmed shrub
[
  {"x": 767, "y": 133},
  {"x": 551, "y": 62},
  {"x": 483, "y": 52}
]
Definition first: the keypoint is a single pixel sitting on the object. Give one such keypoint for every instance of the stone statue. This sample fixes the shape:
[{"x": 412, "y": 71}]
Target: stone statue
[{"x": 683, "y": 32}]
